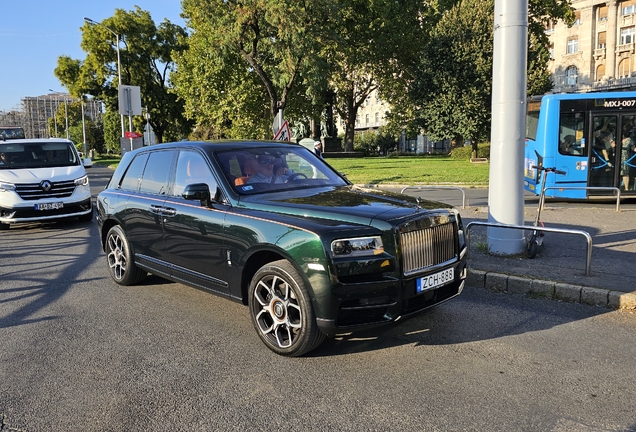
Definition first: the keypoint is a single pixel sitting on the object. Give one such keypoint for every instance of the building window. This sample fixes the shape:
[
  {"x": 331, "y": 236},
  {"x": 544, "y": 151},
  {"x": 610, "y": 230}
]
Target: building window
[
  {"x": 627, "y": 35},
  {"x": 628, "y": 7},
  {"x": 625, "y": 68},
  {"x": 377, "y": 119},
  {"x": 366, "y": 119},
  {"x": 573, "y": 45},
  {"x": 549, "y": 27},
  {"x": 600, "y": 72},
  {"x": 601, "y": 40},
  {"x": 602, "y": 13},
  {"x": 551, "y": 51},
  {"x": 571, "y": 75},
  {"x": 577, "y": 18}
]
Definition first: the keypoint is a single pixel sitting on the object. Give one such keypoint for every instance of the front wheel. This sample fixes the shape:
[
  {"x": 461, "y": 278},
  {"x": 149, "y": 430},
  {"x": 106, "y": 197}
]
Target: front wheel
[
  {"x": 121, "y": 266},
  {"x": 532, "y": 247},
  {"x": 281, "y": 310}
]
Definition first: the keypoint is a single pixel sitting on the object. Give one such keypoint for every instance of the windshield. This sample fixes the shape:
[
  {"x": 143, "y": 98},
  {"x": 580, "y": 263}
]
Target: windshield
[
  {"x": 37, "y": 155},
  {"x": 276, "y": 169}
]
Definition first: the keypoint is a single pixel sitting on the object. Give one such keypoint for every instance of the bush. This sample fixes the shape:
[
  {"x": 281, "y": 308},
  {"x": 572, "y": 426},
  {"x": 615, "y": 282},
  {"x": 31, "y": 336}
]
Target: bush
[
  {"x": 375, "y": 142},
  {"x": 465, "y": 152}
]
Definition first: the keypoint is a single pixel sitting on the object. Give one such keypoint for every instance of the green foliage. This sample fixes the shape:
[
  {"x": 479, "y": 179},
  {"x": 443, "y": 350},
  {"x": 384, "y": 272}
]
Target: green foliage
[
  {"x": 465, "y": 152},
  {"x": 453, "y": 85},
  {"x": 246, "y": 61},
  {"x": 146, "y": 52},
  {"x": 376, "y": 142},
  {"x": 374, "y": 46}
]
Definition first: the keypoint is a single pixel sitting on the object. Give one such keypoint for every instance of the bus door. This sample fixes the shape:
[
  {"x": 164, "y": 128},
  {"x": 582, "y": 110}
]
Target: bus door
[
  {"x": 571, "y": 156},
  {"x": 602, "y": 151},
  {"x": 612, "y": 152}
]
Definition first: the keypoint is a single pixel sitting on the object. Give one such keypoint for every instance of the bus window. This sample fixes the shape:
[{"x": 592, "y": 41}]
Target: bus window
[
  {"x": 532, "y": 119},
  {"x": 571, "y": 134}
]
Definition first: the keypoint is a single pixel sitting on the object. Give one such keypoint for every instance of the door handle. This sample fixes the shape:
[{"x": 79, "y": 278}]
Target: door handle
[{"x": 168, "y": 211}]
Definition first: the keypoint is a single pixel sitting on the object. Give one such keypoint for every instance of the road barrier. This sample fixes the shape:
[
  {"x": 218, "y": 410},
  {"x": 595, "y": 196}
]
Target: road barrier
[{"x": 588, "y": 237}]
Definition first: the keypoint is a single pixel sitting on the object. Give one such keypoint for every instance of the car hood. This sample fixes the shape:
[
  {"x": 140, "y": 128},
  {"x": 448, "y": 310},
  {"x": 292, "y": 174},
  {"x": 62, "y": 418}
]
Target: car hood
[
  {"x": 36, "y": 175},
  {"x": 348, "y": 204}
]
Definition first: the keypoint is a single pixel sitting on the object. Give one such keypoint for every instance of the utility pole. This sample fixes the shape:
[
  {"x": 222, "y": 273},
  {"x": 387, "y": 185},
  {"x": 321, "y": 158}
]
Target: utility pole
[{"x": 505, "y": 195}]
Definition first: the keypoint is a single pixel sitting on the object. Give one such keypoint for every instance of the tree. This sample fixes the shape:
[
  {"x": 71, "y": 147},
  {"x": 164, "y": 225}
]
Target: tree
[
  {"x": 248, "y": 60},
  {"x": 453, "y": 89},
  {"x": 146, "y": 61},
  {"x": 375, "y": 46}
]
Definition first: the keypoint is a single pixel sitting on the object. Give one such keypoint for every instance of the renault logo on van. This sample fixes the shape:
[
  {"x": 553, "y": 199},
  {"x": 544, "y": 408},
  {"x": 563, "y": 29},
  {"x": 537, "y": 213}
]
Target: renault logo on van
[{"x": 46, "y": 185}]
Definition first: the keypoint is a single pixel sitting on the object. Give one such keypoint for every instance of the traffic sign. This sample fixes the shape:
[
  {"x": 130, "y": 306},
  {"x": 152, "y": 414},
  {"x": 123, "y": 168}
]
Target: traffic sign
[{"x": 283, "y": 133}]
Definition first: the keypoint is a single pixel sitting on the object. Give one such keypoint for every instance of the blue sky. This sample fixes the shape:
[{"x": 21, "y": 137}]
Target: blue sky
[{"x": 34, "y": 33}]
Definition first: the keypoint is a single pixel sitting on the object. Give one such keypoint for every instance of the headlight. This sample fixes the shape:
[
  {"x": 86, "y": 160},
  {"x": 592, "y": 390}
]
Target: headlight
[
  {"x": 82, "y": 181},
  {"x": 6, "y": 187},
  {"x": 362, "y": 246}
]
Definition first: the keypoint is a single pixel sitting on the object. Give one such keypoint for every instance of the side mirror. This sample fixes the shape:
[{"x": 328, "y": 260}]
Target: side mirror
[
  {"x": 87, "y": 162},
  {"x": 197, "y": 191}
]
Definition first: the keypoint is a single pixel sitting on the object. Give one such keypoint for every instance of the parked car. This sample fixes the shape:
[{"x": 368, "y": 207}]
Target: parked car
[
  {"x": 42, "y": 179},
  {"x": 273, "y": 226}
]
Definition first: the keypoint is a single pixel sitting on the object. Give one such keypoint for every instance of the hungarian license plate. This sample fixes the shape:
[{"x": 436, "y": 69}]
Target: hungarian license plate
[
  {"x": 435, "y": 280},
  {"x": 49, "y": 206}
]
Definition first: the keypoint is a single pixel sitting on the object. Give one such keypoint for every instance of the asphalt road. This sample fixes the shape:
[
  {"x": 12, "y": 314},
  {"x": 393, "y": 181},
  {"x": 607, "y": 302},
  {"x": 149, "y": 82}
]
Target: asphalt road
[{"x": 80, "y": 353}]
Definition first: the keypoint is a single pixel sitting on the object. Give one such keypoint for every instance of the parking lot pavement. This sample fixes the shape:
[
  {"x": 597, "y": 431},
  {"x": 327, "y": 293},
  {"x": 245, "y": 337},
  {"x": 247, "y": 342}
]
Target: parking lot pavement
[{"x": 558, "y": 270}]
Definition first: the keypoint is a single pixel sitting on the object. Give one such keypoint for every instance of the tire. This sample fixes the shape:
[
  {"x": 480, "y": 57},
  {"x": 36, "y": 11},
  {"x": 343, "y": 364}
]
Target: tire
[
  {"x": 281, "y": 310},
  {"x": 532, "y": 247},
  {"x": 4, "y": 226},
  {"x": 121, "y": 266},
  {"x": 87, "y": 217}
]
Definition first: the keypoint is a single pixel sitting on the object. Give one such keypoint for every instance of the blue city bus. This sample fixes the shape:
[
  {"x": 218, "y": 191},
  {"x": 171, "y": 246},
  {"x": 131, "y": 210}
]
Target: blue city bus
[{"x": 590, "y": 136}]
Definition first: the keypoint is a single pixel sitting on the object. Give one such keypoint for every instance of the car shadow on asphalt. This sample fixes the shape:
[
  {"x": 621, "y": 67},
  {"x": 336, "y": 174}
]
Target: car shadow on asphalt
[{"x": 476, "y": 315}]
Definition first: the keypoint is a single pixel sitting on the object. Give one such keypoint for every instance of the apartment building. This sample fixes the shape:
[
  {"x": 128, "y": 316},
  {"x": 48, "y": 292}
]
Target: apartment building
[{"x": 597, "y": 52}]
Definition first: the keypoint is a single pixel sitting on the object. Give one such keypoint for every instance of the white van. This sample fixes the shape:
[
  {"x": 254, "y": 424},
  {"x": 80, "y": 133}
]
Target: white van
[{"x": 42, "y": 179}]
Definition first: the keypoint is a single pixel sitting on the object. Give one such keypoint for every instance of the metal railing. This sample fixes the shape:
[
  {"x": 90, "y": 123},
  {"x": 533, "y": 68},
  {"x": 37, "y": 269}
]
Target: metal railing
[
  {"x": 439, "y": 187},
  {"x": 606, "y": 188},
  {"x": 588, "y": 237}
]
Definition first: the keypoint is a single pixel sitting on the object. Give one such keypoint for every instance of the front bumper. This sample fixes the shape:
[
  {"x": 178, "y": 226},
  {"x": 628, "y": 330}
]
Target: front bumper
[
  {"x": 374, "y": 304},
  {"x": 20, "y": 214}
]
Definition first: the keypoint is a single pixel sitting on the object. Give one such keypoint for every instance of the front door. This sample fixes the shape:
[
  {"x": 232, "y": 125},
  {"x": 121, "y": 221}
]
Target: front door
[{"x": 612, "y": 155}]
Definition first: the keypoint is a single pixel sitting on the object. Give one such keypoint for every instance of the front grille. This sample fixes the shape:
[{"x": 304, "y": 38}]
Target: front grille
[
  {"x": 427, "y": 246},
  {"x": 35, "y": 191}
]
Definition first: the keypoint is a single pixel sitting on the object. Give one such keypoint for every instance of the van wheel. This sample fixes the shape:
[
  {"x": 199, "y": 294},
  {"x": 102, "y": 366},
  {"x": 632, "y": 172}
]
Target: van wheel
[{"x": 4, "y": 226}]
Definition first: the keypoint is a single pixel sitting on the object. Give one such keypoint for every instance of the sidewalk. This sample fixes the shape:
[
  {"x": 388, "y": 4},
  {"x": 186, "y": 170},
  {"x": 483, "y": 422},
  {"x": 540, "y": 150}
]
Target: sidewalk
[{"x": 558, "y": 270}]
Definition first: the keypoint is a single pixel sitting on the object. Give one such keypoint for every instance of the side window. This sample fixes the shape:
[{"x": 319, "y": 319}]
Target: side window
[
  {"x": 571, "y": 129},
  {"x": 192, "y": 168},
  {"x": 130, "y": 182},
  {"x": 157, "y": 172}
]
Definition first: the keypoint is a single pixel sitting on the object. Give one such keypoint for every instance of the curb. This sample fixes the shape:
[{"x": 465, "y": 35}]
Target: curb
[{"x": 538, "y": 288}]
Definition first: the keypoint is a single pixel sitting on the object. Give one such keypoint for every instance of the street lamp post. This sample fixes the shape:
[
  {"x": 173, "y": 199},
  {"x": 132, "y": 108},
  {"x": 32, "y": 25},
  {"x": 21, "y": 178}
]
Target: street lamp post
[
  {"x": 65, "y": 112},
  {"x": 90, "y": 21}
]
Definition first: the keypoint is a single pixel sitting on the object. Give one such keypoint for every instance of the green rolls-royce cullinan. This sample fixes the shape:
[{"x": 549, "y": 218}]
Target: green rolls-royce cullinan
[{"x": 271, "y": 225}]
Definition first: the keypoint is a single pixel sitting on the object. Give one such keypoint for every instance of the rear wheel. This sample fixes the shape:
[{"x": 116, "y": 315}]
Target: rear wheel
[
  {"x": 121, "y": 266},
  {"x": 4, "y": 226},
  {"x": 281, "y": 310}
]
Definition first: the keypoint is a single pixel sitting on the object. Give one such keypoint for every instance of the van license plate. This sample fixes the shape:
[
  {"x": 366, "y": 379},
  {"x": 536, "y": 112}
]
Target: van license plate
[
  {"x": 49, "y": 206},
  {"x": 435, "y": 280}
]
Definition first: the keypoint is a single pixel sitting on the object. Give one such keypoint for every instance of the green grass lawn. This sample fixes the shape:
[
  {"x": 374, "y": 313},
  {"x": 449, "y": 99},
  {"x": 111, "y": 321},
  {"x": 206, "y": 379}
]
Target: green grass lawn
[
  {"x": 411, "y": 170},
  {"x": 406, "y": 170}
]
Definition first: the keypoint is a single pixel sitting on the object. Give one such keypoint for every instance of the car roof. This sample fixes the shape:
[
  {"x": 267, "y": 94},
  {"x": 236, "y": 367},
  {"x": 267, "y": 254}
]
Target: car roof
[
  {"x": 221, "y": 145},
  {"x": 38, "y": 140}
]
